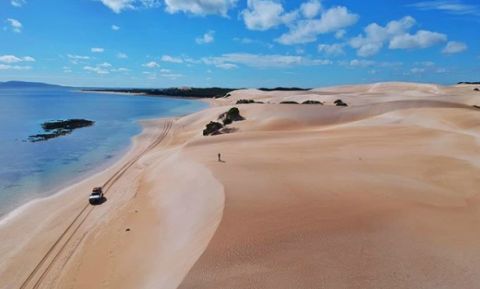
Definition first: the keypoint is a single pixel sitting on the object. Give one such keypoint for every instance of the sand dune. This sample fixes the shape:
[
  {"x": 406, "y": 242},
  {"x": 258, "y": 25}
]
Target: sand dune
[{"x": 380, "y": 194}]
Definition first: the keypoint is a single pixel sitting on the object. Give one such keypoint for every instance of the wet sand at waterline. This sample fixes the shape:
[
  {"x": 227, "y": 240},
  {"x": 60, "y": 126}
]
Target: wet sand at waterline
[{"x": 380, "y": 194}]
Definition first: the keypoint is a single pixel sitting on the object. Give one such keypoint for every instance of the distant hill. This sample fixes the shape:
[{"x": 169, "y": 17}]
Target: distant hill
[{"x": 25, "y": 84}]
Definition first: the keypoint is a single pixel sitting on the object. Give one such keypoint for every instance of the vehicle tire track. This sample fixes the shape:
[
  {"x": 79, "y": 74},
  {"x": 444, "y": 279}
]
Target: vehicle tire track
[{"x": 68, "y": 234}]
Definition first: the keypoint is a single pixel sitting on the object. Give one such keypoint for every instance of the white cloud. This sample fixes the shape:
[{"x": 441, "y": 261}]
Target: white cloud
[
  {"x": 234, "y": 60},
  {"x": 171, "y": 75},
  {"x": 307, "y": 30},
  {"x": 29, "y": 59},
  {"x": 78, "y": 57},
  {"x": 171, "y": 59},
  {"x": 425, "y": 63},
  {"x": 151, "y": 64},
  {"x": 118, "y": 6},
  {"x": 231, "y": 60},
  {"x": 226, "y": 66},
  {"x": 246, "y": 40},
  {"x": 265, "y": 14},
  {"x": 14, "y": 67},
  {"x": 376, "y": 36},
  {"x": 253, "y": 60},
  {"x": 361, "y": 63},
  {"x": 200, "y": 7},
  {"x": 122, "y": 55},
  {"x": 331, "y": 49},
  {"x": 311, "y": 8},
  {"x": 317, "y": 61},
  {"x": 304, "y": 23},
  {"x": 96, "y": 69},
  {"x": 396, "y": 34},
  {"x": 149, "y": 3},
  {"x": 449, "y": 6},
  {"x": 97, "y": 50},
  {"x": 425, "y": 67},
  {"x": 191, "y": 60},
  {"x": 104, "y": 68},
  {"x": 105, "y": 65},
  {"x": 206, "y": 38},
  {"x": 15, "y": 25},
  {"x": 417, "y": 70},
  {"x": 340, "y": 34},
  {"x": 115, "y": 27},
  {"x": 453, "y": 47},
  {"x": 18, "y": 3},
  {"x": 243, "y": 40},
  {"x": 15, "y": 59},
  {"x": 421, "y": 39},
  {"x": 120, "y": 69}
]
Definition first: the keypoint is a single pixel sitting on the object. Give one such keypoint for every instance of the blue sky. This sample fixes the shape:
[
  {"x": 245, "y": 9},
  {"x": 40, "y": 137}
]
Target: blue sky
[{"x": 238, "y": 43}]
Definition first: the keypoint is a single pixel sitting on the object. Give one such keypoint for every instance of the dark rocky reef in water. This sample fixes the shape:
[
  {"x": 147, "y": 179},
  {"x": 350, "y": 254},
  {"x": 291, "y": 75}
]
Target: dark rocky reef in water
[{"x": 57, "y": 128}]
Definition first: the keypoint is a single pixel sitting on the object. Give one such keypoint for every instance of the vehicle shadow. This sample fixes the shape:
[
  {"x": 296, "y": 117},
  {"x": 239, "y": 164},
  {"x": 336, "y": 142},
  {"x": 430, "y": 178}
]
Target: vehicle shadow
[{"x": 103, "y": 200}]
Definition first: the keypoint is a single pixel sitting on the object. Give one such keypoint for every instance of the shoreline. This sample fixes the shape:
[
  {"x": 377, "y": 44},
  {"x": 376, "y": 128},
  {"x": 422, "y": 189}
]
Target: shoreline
[
  {"x": 68, "y": 184},
  {"x": 144, "y": 94},
  {"x": 108, "y": 92},
  {"x": 58, "y": 188},
  {"x": 119, "y": 157},
  {"x": 51, "y": 207}
]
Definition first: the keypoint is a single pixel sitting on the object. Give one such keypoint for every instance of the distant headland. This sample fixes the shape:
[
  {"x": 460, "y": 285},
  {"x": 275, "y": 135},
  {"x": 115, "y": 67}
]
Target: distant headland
[
  {"x": 194, "y": 92},
  {"x": 26, "y": 84}
]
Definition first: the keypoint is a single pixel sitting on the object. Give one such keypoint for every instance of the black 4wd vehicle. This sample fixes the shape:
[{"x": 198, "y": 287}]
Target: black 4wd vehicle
[{"x": 96, "y": 197}]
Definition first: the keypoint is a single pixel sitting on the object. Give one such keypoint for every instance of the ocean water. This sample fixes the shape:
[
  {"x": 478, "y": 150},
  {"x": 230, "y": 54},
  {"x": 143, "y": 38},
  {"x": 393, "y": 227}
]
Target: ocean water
[{"x": 33, "y": 170}]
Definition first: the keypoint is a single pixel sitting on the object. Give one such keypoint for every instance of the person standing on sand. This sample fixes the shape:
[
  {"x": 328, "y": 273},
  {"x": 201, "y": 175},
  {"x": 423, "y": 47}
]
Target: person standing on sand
[{"x": 219, "y": 157}]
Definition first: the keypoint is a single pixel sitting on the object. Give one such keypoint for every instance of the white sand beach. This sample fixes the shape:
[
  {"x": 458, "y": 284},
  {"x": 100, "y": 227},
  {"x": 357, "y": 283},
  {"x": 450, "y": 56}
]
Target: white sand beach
[{"x": 382, "y": 193}]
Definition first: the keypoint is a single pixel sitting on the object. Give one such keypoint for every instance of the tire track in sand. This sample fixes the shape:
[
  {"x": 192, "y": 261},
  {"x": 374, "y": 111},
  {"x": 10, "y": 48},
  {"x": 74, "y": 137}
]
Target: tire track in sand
[{"x": 44, "y": 266}]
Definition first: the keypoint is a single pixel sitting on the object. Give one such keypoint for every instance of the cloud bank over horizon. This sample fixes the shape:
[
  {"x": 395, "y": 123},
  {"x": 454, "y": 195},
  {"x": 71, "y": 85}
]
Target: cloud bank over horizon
[{"x": 240, "y": 42}]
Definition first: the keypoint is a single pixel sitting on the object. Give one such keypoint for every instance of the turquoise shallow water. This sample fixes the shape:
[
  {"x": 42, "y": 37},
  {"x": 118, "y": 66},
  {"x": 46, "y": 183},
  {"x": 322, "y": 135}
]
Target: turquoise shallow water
[{"x": 33, "y": 170}]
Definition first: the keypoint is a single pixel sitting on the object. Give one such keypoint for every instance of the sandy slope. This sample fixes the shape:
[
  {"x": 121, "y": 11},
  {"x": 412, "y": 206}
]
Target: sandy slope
[{"x": 380, "y": 194}]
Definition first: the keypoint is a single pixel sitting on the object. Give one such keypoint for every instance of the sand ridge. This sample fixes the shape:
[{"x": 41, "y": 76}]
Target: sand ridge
[{"x": 379, "y": 194}]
